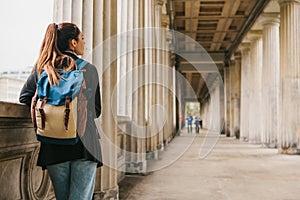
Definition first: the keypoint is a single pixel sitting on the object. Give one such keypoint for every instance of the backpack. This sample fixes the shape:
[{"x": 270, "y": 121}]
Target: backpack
[{"x": 59, "y": 112}]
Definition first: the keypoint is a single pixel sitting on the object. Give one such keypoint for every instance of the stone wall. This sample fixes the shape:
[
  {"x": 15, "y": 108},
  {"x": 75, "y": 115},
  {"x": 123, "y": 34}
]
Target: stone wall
[{"x": 20, "y": 177}]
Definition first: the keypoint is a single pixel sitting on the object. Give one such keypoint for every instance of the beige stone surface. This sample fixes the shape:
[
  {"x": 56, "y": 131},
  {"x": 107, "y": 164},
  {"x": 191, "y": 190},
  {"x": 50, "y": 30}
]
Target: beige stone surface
[{"x": 234, "y": 170}]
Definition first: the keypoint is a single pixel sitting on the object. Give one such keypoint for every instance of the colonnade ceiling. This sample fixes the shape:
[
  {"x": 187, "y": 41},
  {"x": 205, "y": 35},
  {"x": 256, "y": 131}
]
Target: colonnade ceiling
[{"x": 217, "y": 25}]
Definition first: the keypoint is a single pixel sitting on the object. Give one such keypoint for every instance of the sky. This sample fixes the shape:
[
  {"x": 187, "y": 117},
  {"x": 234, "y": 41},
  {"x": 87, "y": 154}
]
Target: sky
[{"x": 23, "y": 25}]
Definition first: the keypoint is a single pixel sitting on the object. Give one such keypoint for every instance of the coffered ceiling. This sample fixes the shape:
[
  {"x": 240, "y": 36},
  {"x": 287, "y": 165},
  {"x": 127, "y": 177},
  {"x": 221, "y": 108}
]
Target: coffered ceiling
[{"x": 218, "y": 26}]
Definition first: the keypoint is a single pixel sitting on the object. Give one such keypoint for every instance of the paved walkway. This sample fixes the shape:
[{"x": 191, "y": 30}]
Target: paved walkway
[{"x": 233, "y": 170}]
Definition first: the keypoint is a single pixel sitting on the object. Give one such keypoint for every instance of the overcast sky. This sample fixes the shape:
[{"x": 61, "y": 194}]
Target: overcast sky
[{"x": 23, "y": 24}]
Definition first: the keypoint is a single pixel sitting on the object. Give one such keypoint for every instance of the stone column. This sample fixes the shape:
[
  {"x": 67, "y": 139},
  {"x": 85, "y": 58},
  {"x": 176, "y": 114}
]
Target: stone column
[
  {"x": 166, "y": 77},
  {"x": 159, "y": 72},
  {"x": 58, "y": 11},
  {"x": 227, "y": 100},
  {"x": 76, "y": 16},
  {"x": 289, "y": 76},
  {"x": 255, "y": 122},
  {"x": 87, "y": 28},
  {"x": 138, "y": 129},
  {"x": 245, "y": 91},
  {"x": 129, "y": 46},
  {"x": 67, "y": 10},
  {"x": 231, "y": 93},
  {"x": 97, "y": 61},
  {"x": 97, "y": 32},
  {"x": 152, "y": 73},
  {"x": 237, "y": 95},
  {"x": 148, "y": 73},
  {"x": 109, "y": 184},
  {"x": 123, "y": 71},
  {"x": 270, "y": 79}
]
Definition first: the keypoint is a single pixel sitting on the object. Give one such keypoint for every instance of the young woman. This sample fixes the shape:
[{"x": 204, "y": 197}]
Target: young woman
[{"x": 72, "y": 168}]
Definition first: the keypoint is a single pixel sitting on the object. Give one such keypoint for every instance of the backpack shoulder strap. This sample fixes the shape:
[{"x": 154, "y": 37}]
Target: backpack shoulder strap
[{"x": 81, "y": 63}]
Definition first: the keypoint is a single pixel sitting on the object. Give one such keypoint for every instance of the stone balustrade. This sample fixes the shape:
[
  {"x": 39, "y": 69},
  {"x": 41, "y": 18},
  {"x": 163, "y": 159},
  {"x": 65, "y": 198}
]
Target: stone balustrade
[{"x": 20, "y": 177}]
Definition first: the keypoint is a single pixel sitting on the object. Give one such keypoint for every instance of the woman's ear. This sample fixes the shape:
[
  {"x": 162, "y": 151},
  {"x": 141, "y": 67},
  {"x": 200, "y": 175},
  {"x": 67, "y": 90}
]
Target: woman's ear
[{"x": 73, "y": 44}]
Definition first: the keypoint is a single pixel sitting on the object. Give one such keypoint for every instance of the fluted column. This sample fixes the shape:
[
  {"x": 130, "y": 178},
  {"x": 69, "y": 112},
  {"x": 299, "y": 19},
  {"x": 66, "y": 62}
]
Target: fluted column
[
  {"x": 227, "y": 100},
  {"x": 148, "y": 73},
  {"x": 76, "y": 16},
  {"x": 289, "y": 135},
  {"x": 166, "y": 77},
  {"x": 255, "y": 88},
  {"x": 232, "y": 83},
  {"x": 237, "y": 95},
  {"x": 97, "y": 60},
  {"x": 138, "y": 129},
  {"x": 270, "y": 78},
  {"x": 159, "y": 71},
  {"x": 109, "y": 185},
  {"x": 245, "y": 91},
  {"x": 58, "y": 11},
  {"x": 123, "y": 68},
  {"x": 152, "y": 134},
  {"x": 87, "y": 28},
  {"x": 67, "y": 10},
  {"x": 129, "y": 46}
]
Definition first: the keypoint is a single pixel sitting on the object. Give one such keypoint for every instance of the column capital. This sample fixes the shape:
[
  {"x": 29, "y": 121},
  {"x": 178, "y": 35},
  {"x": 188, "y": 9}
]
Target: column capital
[
  {"x": 282, "y": 2},
  {"x": 254, "y": 35},
  {"x": 231, "y": 62},
  {"x": 270, "y": 19},
  {"x": 244, "y": 46},
  {"x": 237, "y": 55},
  {"x": 165, "y": 21},
  {"x": 159, "y": 2}
]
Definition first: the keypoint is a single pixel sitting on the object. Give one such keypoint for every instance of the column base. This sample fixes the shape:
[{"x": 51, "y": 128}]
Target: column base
[
  {"x": 244, "y": 139},
  {"x": 153, "y": 155},
  {"x": 289, "y": 150},
  {"x": 160, "y": 147},
  {"x": 237, "y": 133},
  {"x": 254, "y": 142},
  {"x": 270, "y": 145},
  {"x": 111, "y": 194},
  {"x": 136, "y": 167}
]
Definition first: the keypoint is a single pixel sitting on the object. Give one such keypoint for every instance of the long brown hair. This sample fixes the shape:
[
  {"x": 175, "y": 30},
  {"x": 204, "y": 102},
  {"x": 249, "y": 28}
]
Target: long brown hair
[{"x": 56, "y": 41}]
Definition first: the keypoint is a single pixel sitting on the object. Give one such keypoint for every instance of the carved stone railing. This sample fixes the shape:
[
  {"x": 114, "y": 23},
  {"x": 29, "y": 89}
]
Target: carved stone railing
[{"x": 20, "y": 177}]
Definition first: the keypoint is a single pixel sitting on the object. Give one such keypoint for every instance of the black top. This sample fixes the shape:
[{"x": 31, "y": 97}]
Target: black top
[{"x": 88, "y": 146}]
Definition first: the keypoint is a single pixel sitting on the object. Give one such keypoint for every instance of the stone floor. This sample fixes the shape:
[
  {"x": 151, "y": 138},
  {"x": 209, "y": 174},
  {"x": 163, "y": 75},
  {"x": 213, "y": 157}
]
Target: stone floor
[{"x": 191, "y": 169}]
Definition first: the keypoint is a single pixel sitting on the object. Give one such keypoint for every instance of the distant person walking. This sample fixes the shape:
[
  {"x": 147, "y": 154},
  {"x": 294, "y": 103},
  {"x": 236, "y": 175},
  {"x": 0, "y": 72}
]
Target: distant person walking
[{"x": 189, "y": 123}]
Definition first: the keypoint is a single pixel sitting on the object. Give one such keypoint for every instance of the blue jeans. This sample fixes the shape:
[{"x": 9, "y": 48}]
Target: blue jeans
[{"x": 74, "y": 180}]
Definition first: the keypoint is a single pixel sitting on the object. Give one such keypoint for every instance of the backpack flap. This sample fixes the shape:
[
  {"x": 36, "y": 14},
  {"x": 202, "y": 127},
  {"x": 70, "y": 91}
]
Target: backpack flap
[{"x": 69, "y": 86}]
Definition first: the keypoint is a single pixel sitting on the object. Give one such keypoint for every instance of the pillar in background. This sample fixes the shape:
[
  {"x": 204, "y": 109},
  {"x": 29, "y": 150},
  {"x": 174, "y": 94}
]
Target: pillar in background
[
  {"x": 138, "y": 162},
  {"x": 227, "y": 100},
  {"x": 123, "y": 67},
  {"x": 232, "y": 93},
  {"x": 270, "y": 79},
  {"x": 167, "y": 77},
  {"x": 236, "y": 94},
  {"x": 245, "y": 91},
  {"x": 255, "y": 126},
  {"x": 159, "y": 73},
  {"x": 150, "y": 60},
  {"x": 289, "y": 135},
  {"x": 109, "y": 185}
]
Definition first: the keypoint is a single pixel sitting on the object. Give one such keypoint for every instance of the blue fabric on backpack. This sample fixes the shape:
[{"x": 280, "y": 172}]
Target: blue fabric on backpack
[{"x": 69, "y": 85}]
